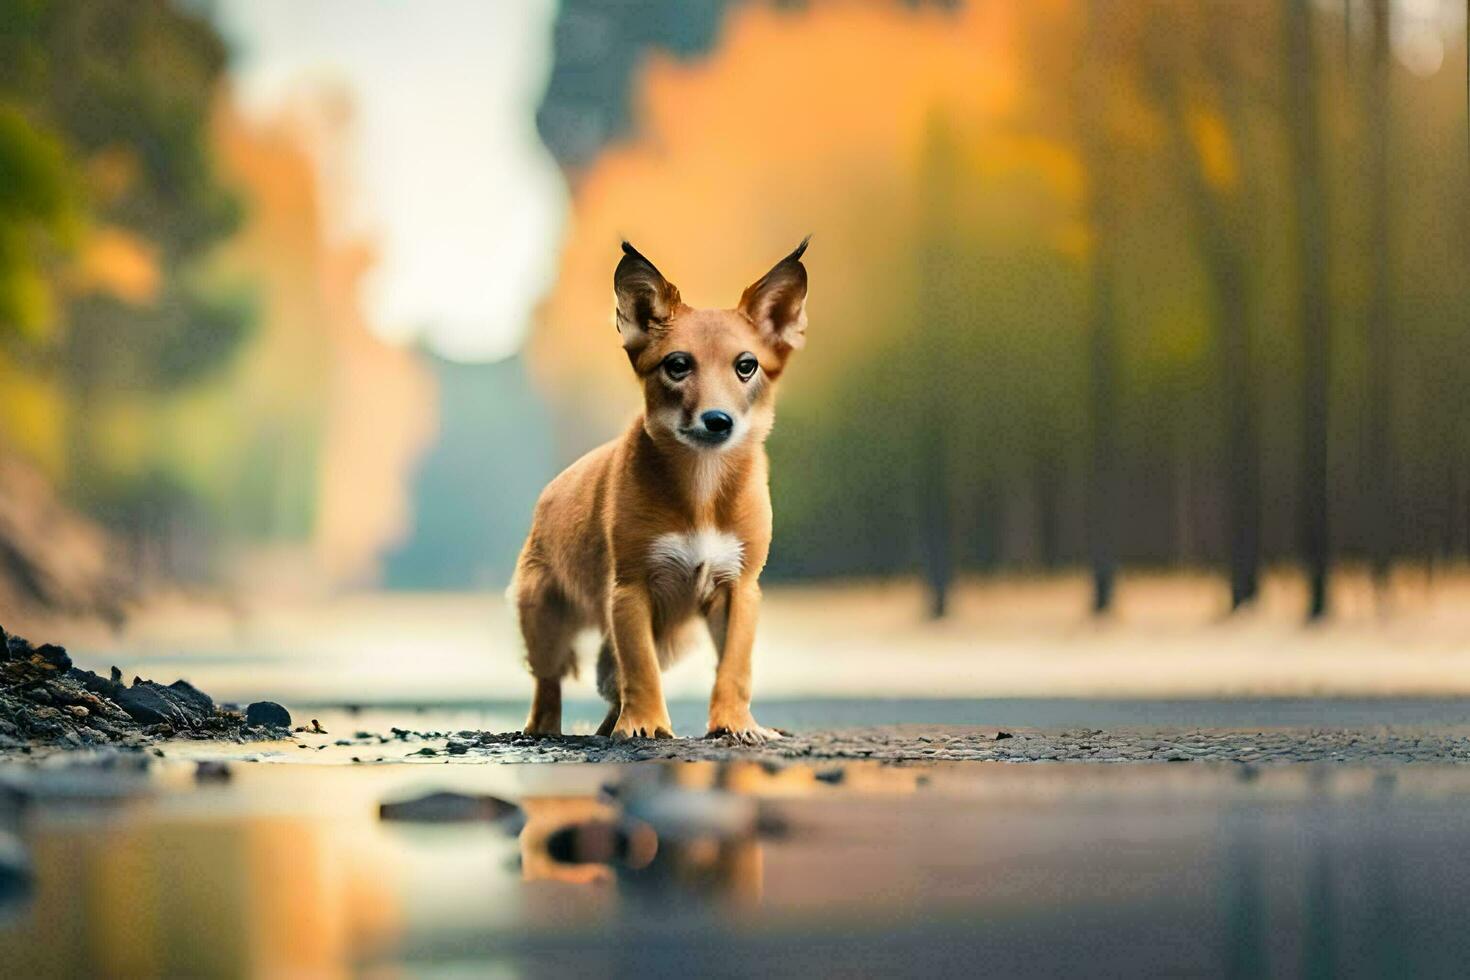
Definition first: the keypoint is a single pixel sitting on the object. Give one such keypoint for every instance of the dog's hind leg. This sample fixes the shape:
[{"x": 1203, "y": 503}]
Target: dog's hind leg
[
  {"x": 548, "y": 625},
  {"x": 607, "y": 686}
]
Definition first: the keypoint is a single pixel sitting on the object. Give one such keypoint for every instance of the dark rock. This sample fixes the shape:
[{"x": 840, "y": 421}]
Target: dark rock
[
  {"x": 24, "y": 664},
  {"x": 149, "y": 704},
  {"x": 96, "y": 683},
  {"x": 833, "y": 776},
  {"x": 44, "y": 698},
  {"x": 17, "y": 647},
  {"x": 1001, "y": 735},
  {"x": 447, "y": 807},
  {"x": 426, "y": 750},
  {"x": 54, "y": 656},
  {"x": 202, "y": 703},
  {"x": 267, "y": 714}
]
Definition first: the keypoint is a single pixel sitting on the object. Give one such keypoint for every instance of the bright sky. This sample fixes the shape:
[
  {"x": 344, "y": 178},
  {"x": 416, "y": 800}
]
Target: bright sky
[{"x": 447, "y": 173}]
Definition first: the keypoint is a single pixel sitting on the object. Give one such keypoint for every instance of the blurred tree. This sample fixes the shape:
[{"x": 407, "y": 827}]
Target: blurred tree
[
  {"x": 1309, "y": 193},
  {"x": 1380, "y": 340},
  {"x": 936, "y": 254},
  {"x": 1204, "y": 149},
  {"x": 109, "y": 206},
  {"x": 1112, "y": 281},
  {"x": 37, "y": 210},
  {"x": 1103, "y": 343},
  {"x": 125, "y": 90},
  {"x": 597, "y": 49},
  {"x": 130, "y": 85}
]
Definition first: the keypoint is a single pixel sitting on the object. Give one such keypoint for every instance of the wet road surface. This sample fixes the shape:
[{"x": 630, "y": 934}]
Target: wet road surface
[{"x": 737, "y": 867}]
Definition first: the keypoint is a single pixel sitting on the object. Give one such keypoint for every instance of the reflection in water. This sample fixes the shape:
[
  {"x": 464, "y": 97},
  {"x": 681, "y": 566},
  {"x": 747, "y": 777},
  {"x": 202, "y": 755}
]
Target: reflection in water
[
  {"x": 1385, "y": 926},
  {"x": 547, "y": 816},
  {"x": 148, "y": 894},
  {"x": 1319, "y": 905},
  {"x": 1243, "y": 892},
  {"x": 691, "y": 828},
  {"x": 859, "y": 868},
  {"x": 1315, "y": 889}
]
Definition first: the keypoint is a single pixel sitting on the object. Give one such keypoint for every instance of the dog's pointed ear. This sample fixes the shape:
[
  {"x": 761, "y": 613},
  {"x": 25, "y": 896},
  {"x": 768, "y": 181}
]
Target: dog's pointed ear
[
  {"x": 776, "y": 303},
  {"x": 646, "y": 300}
]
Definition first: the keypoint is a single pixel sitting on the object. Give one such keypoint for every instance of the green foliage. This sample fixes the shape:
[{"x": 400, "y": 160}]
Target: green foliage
[
  {"x": 36, "y": 208},
  {"x": 109, "y": 208}
]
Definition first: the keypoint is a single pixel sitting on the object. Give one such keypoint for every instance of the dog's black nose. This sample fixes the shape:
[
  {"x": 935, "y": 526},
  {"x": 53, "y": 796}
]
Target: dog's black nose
[{"x": 717, "y": 423}]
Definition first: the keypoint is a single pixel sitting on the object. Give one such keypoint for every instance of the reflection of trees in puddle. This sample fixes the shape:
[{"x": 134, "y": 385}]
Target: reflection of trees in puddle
[
  {"x": 137, "y": 894},
  {"x": 1316, "y": 889}
]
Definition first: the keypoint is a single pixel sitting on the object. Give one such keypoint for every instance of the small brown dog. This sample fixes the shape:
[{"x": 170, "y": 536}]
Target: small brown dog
[{"x": 671, "y": 522}]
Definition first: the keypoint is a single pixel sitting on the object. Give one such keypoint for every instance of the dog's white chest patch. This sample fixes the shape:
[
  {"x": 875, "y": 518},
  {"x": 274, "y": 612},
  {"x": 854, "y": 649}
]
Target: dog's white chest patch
[{"x": 691, "y": 565}]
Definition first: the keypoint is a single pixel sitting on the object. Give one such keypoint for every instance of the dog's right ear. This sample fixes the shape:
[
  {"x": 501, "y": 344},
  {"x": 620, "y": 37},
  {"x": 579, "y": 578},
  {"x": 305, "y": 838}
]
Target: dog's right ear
[{"x": 646, "y": 300}]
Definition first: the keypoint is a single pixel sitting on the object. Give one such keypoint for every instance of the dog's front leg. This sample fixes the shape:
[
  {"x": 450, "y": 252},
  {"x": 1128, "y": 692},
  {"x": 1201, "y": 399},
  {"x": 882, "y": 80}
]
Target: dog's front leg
[
  {"x": 732, "y": 626},
  {"x": 643, "y": 713}
]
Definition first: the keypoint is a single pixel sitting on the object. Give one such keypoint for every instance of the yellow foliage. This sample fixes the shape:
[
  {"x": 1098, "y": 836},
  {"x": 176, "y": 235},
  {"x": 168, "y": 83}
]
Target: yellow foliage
[
  {"x": 1214, "y": 149},
  {"x": 809, "y": 120},
  {"x": 117, "y": 262},
  {"x": 26, "y": 301},
  {"x": 32, "y": 416},
  {"x": 1075, "y": 240},
  {"x": 1053, "y": 163}
]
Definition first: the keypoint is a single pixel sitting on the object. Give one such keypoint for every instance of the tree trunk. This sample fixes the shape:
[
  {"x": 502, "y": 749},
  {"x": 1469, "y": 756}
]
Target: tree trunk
[
  {"x": 1103, "y": 353},
  {"x": 1103, "y": 376},
  {"x": 1310, "y": 192},
  {"x": 937, "y": 257},
  {"x": 1379, "y": 342},
  {"x": 1215, "y": 203},
  {"x": 938, "y": 554}
]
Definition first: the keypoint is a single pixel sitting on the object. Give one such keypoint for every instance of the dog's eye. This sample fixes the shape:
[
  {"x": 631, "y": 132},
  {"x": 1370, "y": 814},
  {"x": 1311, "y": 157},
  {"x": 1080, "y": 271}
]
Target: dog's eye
[
  {"x": 745, "y": 366},
  {"x": 678, "y": 366}
]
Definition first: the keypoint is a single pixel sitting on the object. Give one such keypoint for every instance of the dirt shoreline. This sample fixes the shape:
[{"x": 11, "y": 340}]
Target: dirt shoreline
[{"x": 918, "y": 744}]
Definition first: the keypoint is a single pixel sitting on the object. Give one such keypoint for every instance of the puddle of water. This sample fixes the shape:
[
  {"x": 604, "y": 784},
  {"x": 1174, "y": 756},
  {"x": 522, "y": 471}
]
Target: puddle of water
[{"x": 718, "y": 868}]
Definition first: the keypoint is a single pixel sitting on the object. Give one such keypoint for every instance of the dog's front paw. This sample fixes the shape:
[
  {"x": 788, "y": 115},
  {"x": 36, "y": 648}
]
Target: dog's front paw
[
  {"x": 643, "y": 724},
  {"x": 742, "y": 728}
]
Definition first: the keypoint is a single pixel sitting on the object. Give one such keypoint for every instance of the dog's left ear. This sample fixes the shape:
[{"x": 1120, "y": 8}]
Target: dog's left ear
[{"x": 776, "y": 303}]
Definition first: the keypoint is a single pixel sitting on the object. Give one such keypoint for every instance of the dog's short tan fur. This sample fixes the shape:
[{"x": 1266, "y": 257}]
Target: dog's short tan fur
[{"x": 657, "y": 530}]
